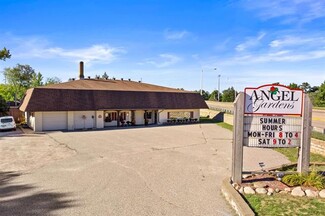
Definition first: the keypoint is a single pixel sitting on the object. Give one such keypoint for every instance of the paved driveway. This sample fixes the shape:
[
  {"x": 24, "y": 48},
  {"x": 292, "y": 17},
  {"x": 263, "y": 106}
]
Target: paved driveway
[{"x": 174, "y": 170}]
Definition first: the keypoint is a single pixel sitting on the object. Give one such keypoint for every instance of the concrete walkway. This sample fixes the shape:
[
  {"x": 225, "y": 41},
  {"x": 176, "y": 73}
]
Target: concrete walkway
[{"x": 175, "y": 170}]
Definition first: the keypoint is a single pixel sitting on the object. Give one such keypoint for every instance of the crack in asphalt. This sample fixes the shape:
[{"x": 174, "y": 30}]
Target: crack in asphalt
[
  {"x": 63, "y": 144},
  {"x": 176, "y": 147}
]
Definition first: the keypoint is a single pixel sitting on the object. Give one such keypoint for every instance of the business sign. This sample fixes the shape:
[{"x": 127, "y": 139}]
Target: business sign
[
  {"x": 272, "y": 132},
  {"x": 273, "y": 99},
  {"x": 271, "y": 116}
]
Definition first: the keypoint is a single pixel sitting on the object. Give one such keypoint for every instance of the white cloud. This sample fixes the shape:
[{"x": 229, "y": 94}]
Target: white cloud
[
  {"x": 37, "y": 47},
  {"x": 279, "y": 56},
  {"x": 175, "y": 35},
  {"x": 164, "y": 60},
  {"x": 291, "y": 11},
  {"x": 287, "y": 41},
  {"x": 250, "y": 42},
  {"x": 95, "y": 53}
]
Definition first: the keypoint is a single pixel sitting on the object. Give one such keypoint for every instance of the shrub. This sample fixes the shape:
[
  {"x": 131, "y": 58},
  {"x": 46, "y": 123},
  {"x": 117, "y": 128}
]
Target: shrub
[
  {"x": 293, "y": 179},
  {"x": 313, "y": 179}
]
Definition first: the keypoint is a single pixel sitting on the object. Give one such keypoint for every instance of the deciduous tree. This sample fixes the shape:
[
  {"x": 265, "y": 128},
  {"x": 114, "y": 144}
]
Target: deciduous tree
[
  {"x": 52, "y": 80},
  {"x": 228, "y": 95},
  {"x": 4, "y": 54},
  {"x": 20, "y": 78},
  {"x": 319, "y": 99},
  {"x": 3, "y": 106},
  {"x": 37, "y": 80}
]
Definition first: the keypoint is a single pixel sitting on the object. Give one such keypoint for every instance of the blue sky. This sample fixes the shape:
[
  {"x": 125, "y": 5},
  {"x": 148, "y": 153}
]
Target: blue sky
[{"x": 168, "y": 42}]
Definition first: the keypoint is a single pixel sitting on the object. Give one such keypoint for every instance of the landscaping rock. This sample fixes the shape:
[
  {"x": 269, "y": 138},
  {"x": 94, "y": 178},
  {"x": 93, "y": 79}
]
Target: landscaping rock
[
  {"x": 310, "y": 193},
  {"x": 297, "y": 191},
  {"x": 241, "y": 190},
  {"x": 270, "y": 190},
  {"x": 261, "y": 190},
  {"x": 269, "y": 193},
  {"x": 245, "y": 176},
  {"x": 287, "y": 189},
  {"x": 277, "y": 190},
  {"x": 249, "y": 190},
  {"x": 234, "y": 185},
  {"x": 322, "y": 193},
  {"x": 259, "y": 184},
  {"x": 283, "y": 192}
]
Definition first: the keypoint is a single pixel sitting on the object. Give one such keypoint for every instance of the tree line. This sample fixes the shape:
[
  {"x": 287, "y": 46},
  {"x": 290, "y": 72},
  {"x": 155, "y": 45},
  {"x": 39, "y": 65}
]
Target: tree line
[
  {"x": 316, "y": 93},
  {"x": 17, "y": 80}
]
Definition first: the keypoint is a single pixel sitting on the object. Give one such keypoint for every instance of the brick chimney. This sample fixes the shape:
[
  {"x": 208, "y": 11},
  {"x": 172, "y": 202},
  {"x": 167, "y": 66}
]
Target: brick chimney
[{"x": 81, "y": 70}]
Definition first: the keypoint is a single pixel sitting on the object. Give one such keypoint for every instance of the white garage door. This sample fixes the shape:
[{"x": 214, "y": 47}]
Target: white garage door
[{"x": 55, "y": 121}]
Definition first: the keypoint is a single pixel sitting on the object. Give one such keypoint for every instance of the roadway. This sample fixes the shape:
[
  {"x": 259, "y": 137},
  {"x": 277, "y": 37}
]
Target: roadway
[{"x": 318, "y": 115}]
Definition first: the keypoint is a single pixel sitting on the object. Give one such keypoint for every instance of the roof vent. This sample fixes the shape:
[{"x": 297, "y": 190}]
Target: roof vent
[
  {"x": 106, "y": 78},
  {"x": 97, "y": 77},
  {"x": 129, "y": 79},
  {"x": 139, "y": 81},
  {"x": 88, "y": 77},
  {"x": 114, "y": 78},
  {"x": 122, "y": 79},
  {"x": 73, "y": 79}
]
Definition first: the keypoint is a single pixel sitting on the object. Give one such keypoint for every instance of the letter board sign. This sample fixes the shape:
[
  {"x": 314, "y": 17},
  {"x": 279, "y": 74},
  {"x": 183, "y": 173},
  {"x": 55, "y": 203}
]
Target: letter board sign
[
  {"x": 272, "y": 132},
  {"x": 273, "y": 99}
]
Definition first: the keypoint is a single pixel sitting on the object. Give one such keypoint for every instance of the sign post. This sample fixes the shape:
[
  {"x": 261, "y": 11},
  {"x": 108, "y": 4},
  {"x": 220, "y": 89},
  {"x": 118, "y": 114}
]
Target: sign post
[
  {"x": 237, "y": 145},
  {"x": 271, "y": 116},
  {"x": 304, "y": 151}
]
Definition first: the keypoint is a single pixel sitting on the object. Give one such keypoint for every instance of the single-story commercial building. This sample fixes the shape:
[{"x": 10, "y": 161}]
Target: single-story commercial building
[{"x": 98, "y": 103}]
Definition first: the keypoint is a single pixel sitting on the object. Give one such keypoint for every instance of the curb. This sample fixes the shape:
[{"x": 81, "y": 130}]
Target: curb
[{"x": 235, "y": 199}]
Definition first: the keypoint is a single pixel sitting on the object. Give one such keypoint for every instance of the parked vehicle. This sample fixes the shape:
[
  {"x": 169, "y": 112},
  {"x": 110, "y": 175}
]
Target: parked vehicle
[{"x": 7, "y": 123}]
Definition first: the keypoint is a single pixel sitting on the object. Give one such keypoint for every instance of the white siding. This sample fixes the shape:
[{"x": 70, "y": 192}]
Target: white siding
[
  {"x": 30, "y": 120},
  {"x": 51, "y": 121},
  {"x": 70, "y": 120},
  {"x": 99, "y": 119},
  {"x": 84, "y": 123},
  {"x": 38, "y": 121},
  {"x": 139, "y": 120}
]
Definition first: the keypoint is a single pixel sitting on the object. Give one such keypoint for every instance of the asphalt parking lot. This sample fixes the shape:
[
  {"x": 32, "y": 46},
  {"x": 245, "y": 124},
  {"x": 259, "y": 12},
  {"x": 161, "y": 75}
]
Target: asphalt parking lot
[{"x": 175, "y": 170}]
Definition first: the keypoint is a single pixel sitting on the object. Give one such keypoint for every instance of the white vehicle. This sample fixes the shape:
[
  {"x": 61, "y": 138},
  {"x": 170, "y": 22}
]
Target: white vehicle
[{"x": 7, "y": 123}]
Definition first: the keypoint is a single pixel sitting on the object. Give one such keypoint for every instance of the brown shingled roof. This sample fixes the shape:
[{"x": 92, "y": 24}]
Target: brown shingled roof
[
  {"x": 114, "y": 85},
  {"x": 108, "y": 94}
]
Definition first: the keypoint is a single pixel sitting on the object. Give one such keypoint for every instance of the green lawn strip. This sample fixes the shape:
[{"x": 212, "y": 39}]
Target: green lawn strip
[
  {"x": 282, "y": 204},
  {"x": 292, "y": 155},
  {"x": 221, "y": 124},
  {"x": 318, "y": 108},
  {"x": 318, "y": 135},
  {"x": 225, "y": 125}
]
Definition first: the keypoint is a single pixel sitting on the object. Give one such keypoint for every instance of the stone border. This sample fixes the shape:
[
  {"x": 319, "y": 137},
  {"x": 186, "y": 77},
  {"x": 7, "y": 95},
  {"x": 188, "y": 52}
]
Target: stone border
[
  {"x": 293, "y": 191},
  {"x": 235, "y": 199}
]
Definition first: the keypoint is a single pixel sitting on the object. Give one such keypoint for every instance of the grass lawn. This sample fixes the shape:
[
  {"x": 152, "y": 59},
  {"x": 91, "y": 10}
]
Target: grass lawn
[
  {"x": 319, "y": 108},
  {"x": 318, "y": 135},
  {"x": 282, "y": 204},
  {"x": 292, "y": 155}
]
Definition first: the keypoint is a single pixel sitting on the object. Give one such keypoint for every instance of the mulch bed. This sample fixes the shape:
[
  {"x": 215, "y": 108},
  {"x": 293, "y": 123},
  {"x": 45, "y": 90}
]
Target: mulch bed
[{"x": 263, "y": 180}]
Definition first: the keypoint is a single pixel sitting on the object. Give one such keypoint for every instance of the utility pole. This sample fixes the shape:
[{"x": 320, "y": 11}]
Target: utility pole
[
  {"x": 219, "y": 87},
  {"x": 201, "y": 82}
]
